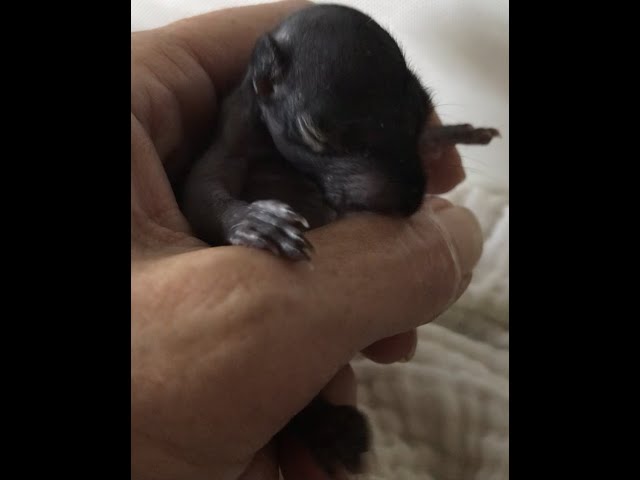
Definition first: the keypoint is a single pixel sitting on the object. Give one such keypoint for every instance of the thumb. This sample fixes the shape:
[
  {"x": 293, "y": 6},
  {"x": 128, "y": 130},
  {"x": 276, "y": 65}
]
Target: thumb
[{"x": 374, "y": 277}]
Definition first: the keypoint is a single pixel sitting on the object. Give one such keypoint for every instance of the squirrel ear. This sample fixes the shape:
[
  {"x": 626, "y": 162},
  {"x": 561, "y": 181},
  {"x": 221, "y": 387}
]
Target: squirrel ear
[{"x": 268, "y": 65}]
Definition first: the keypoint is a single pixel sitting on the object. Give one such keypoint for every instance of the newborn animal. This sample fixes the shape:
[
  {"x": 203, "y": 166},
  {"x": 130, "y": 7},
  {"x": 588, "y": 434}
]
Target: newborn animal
[{"x": 327, "y": 120}]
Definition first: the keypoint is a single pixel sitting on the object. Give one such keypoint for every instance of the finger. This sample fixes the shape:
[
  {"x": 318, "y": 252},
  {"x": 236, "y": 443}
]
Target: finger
[
  {"x": 397, "y": 348},
  {"x": 443, "y": 165},
  {"x": 223, "y": 40}
]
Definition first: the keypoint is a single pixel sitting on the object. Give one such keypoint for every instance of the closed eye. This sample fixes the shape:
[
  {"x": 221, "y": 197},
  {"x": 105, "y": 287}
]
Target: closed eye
[{"x": 310, "y": 134}]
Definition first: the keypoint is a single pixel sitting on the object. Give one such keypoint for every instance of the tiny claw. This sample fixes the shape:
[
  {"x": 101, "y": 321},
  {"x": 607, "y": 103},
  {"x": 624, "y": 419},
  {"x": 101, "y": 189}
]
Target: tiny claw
[
  {"x": 308, "y": 245},
  {"x": 300, "y": 219},
  {"x": 272, "y": 248},
  {"x": 296, "y": 217},
  {"x": 253, "y": 240},
  {"x": 299, "y": 255},
  {"x": 293, "y": 252},
  {"x": 490, "y": 133},
  {"x": 298, "y": 237}
]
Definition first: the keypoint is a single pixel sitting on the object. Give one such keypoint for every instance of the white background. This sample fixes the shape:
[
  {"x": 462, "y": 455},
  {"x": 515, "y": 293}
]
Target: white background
[{"x": 459, "y": 49}]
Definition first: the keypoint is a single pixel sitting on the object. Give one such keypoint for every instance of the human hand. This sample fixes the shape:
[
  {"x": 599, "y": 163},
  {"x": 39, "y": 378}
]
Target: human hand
[{"x": 229, "y": 343}]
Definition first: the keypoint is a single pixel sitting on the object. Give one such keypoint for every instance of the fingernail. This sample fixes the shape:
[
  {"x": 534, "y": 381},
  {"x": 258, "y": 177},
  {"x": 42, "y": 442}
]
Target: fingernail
[{"x": 464, "y": 235}]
